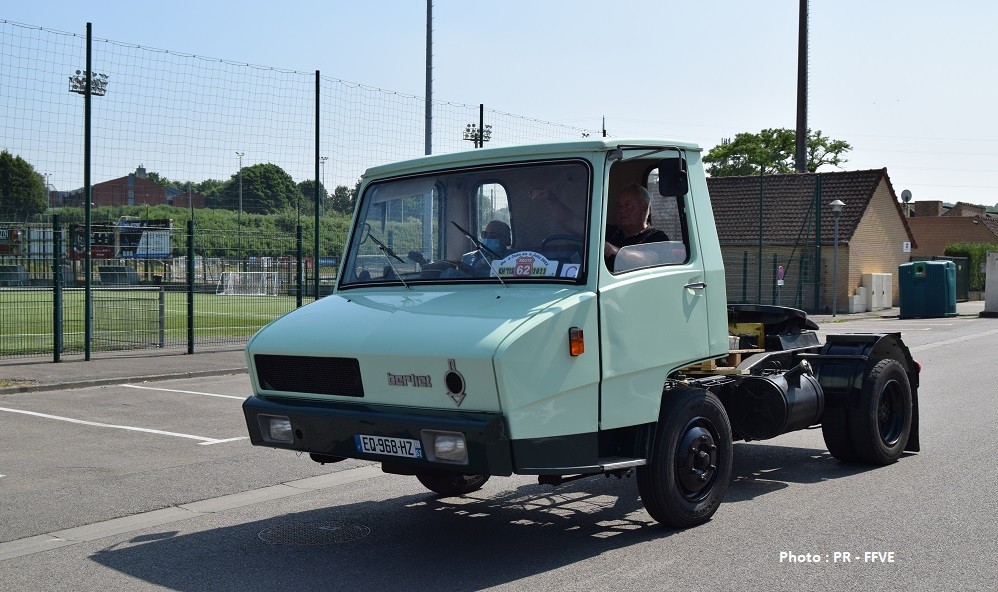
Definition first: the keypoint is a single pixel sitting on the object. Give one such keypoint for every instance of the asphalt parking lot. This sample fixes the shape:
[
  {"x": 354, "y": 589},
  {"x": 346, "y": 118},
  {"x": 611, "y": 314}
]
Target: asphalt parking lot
[{"x": 151, "y": 485}]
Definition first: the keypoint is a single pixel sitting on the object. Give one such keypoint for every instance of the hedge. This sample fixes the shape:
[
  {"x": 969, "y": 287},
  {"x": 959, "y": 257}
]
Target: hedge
[{"x": 977, "y": 254}]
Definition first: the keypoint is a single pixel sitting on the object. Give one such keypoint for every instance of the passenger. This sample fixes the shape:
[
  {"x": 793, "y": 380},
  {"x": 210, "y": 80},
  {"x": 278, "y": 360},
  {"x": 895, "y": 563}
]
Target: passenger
[{"x": 497, "y": 238}]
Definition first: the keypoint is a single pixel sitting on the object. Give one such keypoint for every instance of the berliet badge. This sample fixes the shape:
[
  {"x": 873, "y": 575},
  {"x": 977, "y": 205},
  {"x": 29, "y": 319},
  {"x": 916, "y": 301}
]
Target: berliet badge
[
  {"x": 409, "y": 380},
  {"x": 455, "y": 383}
]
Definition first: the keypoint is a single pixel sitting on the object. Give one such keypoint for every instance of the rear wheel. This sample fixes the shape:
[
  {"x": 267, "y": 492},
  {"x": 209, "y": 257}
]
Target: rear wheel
[
  {"x": 449, "y": 484},
  {"x": 880, "y": 425},
  {"x": 835, "y": 430},
  {"x": 690, "y": 466}
]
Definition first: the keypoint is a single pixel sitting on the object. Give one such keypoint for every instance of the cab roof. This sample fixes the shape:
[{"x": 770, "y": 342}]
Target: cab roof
[{"x": 505, "y": 154}]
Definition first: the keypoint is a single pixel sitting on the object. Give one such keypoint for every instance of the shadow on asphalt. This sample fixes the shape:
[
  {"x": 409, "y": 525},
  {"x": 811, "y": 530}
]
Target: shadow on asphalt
[
  {"x": 761, "y": 468},
  {"x": 422, "y": 541}
]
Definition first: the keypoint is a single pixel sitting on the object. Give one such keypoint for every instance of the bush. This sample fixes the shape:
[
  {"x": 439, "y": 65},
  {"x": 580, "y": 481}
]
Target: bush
[{"x": 977, "y": 255}]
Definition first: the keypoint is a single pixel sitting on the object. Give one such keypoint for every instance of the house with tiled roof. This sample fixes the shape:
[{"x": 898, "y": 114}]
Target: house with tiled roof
[
  {"x": 779, "y": 211},
  {"x": 935, "y": 226}
]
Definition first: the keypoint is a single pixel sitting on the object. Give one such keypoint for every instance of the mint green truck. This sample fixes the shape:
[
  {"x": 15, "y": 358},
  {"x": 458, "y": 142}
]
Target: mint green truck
[{"x": 559, "y": 310}]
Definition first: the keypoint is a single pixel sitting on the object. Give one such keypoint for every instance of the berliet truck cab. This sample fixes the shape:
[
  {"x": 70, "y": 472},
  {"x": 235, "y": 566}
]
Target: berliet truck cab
[{"x": 494, "y": 315}]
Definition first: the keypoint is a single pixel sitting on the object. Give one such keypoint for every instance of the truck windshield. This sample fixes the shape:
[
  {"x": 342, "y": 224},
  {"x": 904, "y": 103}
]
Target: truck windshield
[{"x": 512, "y": 223}]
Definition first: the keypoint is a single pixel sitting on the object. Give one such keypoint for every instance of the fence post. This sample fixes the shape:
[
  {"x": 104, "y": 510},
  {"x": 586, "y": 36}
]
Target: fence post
[
  {"x": 162, "y": 316},
  {"x": 318, "y": 205},
  {"x": 744, "y": 277},
  {"x": 190, "y": 286},
  {"x": 88, "y": 293},
  {"x": 775, "y": 287},
  {"x": 298, "y": 266},
  {"x": 817, "y": 243},
  {"x": 56, "y": 289}
]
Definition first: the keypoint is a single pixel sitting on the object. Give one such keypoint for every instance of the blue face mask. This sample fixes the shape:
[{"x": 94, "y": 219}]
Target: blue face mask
[{"x": 492, "y": 244}]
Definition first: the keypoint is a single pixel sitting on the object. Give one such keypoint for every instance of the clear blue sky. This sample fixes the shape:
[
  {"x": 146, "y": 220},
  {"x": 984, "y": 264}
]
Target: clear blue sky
[{"x": 909, "y": 83}]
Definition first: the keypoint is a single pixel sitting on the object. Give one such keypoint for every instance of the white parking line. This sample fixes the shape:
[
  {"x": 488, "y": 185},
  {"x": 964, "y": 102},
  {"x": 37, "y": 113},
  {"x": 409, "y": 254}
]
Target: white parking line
[
  {"x": 149, "y": 388},
  {"x": 203, "y": 440},
  {"x": 961, "y": 339}
]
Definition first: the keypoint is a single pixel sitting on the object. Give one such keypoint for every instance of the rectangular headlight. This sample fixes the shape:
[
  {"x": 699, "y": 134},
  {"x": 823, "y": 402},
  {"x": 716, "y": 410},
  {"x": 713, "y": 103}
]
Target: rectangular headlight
[
  {"x": 448, "y": 447},
  {"x": 278, "y": 429}
]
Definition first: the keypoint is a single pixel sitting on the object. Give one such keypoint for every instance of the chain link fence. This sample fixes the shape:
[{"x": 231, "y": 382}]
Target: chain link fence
[{"x": 257, "y": 156}]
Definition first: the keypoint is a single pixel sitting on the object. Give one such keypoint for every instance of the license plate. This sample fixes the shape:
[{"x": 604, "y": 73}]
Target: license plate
[{"x": 388, "y": 446}]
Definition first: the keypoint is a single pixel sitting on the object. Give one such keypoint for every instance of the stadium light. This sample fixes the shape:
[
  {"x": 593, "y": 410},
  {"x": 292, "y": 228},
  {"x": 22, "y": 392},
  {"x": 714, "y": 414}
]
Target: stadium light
[
  {"x": 476, "y": 135},
  {"x": 98, "y": 84}
]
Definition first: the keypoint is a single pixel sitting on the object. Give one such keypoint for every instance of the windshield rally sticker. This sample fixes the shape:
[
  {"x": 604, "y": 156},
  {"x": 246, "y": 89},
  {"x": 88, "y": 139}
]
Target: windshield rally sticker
[
  {"x": 408, "y": 380},
  {"x": 523, "y": 264}
]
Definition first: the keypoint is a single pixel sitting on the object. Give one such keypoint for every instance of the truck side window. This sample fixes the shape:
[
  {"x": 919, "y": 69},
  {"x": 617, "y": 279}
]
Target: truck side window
[{"x": 654, "y": 240}]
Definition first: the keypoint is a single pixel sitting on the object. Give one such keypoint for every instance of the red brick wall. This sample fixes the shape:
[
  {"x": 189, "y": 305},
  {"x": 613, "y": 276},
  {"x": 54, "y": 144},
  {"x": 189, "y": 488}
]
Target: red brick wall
[{"x": 933, "y": 234}]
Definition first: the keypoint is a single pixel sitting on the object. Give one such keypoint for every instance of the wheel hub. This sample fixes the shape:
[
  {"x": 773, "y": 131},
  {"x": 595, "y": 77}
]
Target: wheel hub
[{"x": 696, "y": 459}]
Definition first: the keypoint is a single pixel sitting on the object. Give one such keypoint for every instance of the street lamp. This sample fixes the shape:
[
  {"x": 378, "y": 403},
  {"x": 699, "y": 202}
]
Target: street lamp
[
  {"x": 239, "y": 219},
  {"x": 240, "y": 155},
  {"x": 837, "y": 206},
  {"x": 325, "y": 192}
]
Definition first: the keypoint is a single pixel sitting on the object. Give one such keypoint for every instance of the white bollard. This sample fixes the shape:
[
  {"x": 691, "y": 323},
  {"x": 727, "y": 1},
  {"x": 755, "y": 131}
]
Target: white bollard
[{"x": 991, "y": 285}]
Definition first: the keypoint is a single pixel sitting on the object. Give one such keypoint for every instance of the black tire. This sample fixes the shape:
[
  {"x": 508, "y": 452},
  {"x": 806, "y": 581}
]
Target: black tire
[
  {"x": 835, "y": 429},
  {"x": 688, "y": 473},
  {"x": 451, "y": 484},
  {"x": 880, "y": 425}
]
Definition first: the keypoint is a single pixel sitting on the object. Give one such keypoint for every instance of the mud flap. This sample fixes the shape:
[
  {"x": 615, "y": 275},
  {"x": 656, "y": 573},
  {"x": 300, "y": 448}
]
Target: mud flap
[{"x": 846, "y": 359}]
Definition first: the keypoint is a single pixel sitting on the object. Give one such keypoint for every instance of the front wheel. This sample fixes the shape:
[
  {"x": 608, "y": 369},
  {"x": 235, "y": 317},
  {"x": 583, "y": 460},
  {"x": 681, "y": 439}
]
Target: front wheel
[
  {"x": 688, "y": 473},
  {"x": 451, "y": 484}
]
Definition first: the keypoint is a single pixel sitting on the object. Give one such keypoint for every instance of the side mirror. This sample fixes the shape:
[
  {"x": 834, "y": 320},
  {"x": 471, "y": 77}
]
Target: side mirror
[{"x": 673, "y": 180}]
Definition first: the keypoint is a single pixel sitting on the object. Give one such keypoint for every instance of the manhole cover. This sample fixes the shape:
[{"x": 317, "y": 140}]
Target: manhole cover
[{"x": 314, "y": 534}]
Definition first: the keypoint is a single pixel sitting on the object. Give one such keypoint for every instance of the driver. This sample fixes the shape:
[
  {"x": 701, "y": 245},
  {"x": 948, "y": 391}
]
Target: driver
[{"x": 633, "y": 206}]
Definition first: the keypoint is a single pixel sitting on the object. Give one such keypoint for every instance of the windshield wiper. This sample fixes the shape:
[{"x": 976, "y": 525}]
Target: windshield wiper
[
  {"x": 481, "y": 248},
  {"x": 389, "y": 253},
  {"x": 477, "y": 242}
]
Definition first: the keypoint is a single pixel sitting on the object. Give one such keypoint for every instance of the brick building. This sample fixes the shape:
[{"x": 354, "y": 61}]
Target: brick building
[
  {"x": 936, "y": 225},
  {"x": 873, "y": 235},
  {"x": 134, "y": 189}
]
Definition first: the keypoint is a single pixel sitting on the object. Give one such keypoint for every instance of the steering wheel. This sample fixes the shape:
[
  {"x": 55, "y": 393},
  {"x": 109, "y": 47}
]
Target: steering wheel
[
  {"x": 571, "y": 238},
  {"x": 440, "y": 264}
]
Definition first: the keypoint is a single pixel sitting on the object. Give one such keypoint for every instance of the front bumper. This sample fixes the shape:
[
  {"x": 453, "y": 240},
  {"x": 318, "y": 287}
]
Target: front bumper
[{"x": 328, "y": 428}]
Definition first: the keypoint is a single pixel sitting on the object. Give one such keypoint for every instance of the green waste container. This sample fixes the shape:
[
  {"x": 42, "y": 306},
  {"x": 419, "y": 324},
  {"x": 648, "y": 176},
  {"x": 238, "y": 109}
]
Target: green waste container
[{"x": 927, "y": 289}]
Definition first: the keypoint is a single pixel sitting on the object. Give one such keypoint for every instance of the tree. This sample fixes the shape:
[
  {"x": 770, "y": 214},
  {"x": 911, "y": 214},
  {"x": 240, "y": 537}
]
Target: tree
[
  {"x": 210, "y": 188},
  {"x": 161, "y": 180},
  {"x": 266, "y": 188},
  {"x": 342, "y": 199},
  {"x": 22, "y": 189},
  {"x": 773, "y": 149},
  {"x": 307, "y": 190}
]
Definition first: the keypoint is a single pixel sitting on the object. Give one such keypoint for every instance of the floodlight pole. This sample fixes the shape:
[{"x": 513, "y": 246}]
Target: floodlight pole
[
  {"x": 428, "y": 131},
  {"x": 800, "y": 154}
]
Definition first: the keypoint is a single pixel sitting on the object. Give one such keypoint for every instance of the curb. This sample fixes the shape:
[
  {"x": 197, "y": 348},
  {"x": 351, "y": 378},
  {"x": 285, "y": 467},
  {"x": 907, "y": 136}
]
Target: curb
[{"x": 33, "y": 388}]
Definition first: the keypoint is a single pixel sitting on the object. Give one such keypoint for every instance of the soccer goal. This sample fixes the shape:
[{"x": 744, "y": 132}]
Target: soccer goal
[{"x": 249, "y": 283}]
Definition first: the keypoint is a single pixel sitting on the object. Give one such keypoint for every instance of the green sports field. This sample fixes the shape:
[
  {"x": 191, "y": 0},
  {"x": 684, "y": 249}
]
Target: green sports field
[{"x": 130, "y": 319}]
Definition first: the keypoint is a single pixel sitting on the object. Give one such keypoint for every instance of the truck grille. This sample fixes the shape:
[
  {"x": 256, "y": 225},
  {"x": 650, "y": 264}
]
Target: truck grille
[{"x": 307, "y": 374}]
